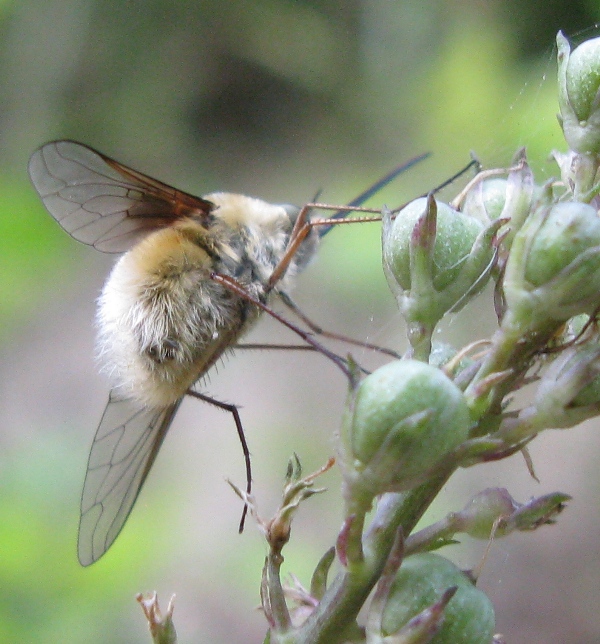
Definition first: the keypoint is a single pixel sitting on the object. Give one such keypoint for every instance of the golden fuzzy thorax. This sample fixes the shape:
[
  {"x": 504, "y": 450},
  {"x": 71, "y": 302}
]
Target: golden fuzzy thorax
[{"x": 163, "y": 321}]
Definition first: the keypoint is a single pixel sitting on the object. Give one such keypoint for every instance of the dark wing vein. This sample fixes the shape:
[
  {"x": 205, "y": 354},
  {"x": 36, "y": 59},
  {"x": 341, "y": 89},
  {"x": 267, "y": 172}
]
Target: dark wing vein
[
  {"x": 124, "y": 449},
  {"x": 103, "y": 203}
]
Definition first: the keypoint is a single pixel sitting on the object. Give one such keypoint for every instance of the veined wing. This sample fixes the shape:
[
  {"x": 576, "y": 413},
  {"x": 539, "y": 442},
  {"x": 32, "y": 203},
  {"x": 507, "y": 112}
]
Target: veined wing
[
  {"x": 103, "y": 203},
  {"x": 124, "y": 449}
]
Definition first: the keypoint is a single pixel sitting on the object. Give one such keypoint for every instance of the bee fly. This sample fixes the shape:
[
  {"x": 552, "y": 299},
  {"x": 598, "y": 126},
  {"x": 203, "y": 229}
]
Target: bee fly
[{"x": 195, "y": 274}]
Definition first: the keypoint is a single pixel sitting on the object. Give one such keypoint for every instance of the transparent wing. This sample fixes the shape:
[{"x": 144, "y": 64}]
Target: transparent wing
[
  {"x": 103, "y": 203},
  {"x": 124, "y": 449}
]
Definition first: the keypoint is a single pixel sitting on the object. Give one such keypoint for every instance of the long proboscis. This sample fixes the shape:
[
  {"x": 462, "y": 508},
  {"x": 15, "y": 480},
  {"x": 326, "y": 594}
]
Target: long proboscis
[{"x": 374, "y": 189}]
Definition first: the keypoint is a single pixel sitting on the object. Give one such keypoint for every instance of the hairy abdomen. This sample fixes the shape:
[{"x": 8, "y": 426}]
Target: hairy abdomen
[{"x": 162, "y": 321}]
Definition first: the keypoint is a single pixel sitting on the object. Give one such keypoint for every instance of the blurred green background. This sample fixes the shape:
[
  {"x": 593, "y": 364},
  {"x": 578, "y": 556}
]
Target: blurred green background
[{"x": 274, "y": 98}]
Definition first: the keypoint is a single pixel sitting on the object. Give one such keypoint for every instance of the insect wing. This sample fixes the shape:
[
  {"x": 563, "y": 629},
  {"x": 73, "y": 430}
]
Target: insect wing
[
  {"x": 124, "y": 449},
  {"x": 103, "y": 203}
]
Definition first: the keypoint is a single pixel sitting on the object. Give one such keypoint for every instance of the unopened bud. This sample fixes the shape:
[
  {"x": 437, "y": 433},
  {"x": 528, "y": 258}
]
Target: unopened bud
[
  {"x": 479, "y": 518},
  {"x": 553, "y": 270},
  {"x": 435, "y": 259},
  {"x": 422, "y": 580},
  {"x": 578, "y": 94},
  {"x": 404, "y": 418}
]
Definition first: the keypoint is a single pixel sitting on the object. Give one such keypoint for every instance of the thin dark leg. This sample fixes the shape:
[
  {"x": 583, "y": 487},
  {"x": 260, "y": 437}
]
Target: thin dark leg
[
  {"x": 315, "y": 328},
  {"x": 238, "y": 289},
  {"x": 283, "y": 347},
  {"x": 233, "y": 410}
]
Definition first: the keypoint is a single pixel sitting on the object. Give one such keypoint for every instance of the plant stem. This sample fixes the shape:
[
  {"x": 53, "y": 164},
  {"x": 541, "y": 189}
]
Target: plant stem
[{"x": 349, "y": 590}]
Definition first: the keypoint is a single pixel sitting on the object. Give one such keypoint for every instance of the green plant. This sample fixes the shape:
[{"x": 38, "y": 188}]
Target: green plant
[{"x": 412, "y": 423}]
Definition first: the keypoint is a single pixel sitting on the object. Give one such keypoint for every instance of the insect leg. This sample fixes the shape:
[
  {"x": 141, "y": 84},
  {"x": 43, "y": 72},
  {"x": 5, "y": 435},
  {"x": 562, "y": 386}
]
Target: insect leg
[
  {"x": 231, "y": 284},
  {"x": 233, "y": 410},
  {"x": 303, "y": 226},
  {"x": 315, "y": 328},
  {"x": 283, "y": 347}
]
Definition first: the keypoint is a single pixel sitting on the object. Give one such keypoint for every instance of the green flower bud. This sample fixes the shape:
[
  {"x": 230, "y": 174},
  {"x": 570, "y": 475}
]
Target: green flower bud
[
  {"x": 479, "y": 518},
  {"x": 485, "y": 201},
  {"x": 583, "y": 78},
  {"x": 435, "y": 259},
  {"x": 570, "y": 229},
  {"x": 405, "y": 417},
  {"x": 579, "y": 172},
  {"x": 553, "y": 270},
  {"x": 494, "y": 513},
  {"x": 568, "y": 393},
  {"x": 453, "y": 239},
  {"x": 578, "y": 94},
  {"x": 509, "y": 199},
  {"x": 421, "y": 581}
]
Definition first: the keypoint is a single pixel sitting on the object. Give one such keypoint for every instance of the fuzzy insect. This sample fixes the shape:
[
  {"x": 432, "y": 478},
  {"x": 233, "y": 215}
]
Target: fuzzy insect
[{"x": 194, "y": 276}]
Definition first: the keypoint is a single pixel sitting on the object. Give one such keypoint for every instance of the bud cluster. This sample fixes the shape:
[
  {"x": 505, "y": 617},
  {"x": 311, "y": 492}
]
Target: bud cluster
[{"x": 413, "y": 422}]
